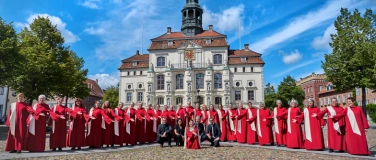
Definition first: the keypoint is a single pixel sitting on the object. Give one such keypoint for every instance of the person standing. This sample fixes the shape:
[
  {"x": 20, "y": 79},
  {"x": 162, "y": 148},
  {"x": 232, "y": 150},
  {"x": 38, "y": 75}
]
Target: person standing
[
  {"x": 251, "y": 126},
  {"x": 212, "y": 113},
  {"x": 181, "y": 113},
  {"x": 179, "y": 133},
  {"x": 119, "y": 125},
  {"x": 59, "y": 126},
  {"x": 164, "y": 133},
  {"x": 97, "y": 122},
  {"x": 16, "y": 121},
  {"x": 264, "y": 126},
  {"x": 231, "y": 132},
  {"x": 204, "y": 114},
  {"x": 222, "y": 116},
  {"x": 294, "y": 137},
  {"x": 151, "y": 124},
  {"x": 314, "y": 139},
  {"x": 141, "y": 123},
  {"x": 356, "y": 128},
  {"x": 189, "y": 112},
  {"x": 76, "y": 130},
  {"x": 336, "y": 130},
  {"x": 197, "y": 111},
  {"x": 108, "y": 130},
  {"x": 241, "y": 124},
  {"x": 130, "y": 126},
  {"x": 280, "y": 125}
]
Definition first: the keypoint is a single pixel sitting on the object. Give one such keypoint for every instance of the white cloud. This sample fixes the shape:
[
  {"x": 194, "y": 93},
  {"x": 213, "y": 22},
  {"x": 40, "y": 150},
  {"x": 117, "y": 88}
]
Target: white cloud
[
  {"x": 93, "y": 4},
  {"x": 227, "y": 20},
  {"x": 302, "y": 24},
  {"x": 105, "y": 80},
  {"x": 322, "y": 42},
  {"x": 93, "y": 31},
  {"x": 291, "y": 58},
  {"x": 318, "y": 54},
  {"x": 295, "y": 67},
  {"x": 69, "y": 37}
]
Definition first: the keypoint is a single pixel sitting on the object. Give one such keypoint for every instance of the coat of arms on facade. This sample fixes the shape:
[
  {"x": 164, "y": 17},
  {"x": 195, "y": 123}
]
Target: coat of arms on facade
[{"x": 189, "y": 55}]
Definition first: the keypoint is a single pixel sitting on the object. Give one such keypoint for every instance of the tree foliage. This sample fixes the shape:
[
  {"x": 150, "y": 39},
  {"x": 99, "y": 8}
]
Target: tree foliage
[
  {"x": 353, "y": 60},
  {"x": 48, "y": 67},
  {"x": 269, "y": 89},
  {"x": 112, "y": 95},
  {"x": 371, "y": 108},
  {"x": 9, "y": 52}
]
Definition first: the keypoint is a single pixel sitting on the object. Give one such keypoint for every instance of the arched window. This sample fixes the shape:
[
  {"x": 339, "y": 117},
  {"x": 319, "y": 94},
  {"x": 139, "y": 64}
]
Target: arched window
[
  {"x": 160, "y": 82},
  {"x": 218, "y": 100},
  {"x": 217, "y": 59},
  {"x": 179, "y": 100},
  {"x": 160, "y": 101},
  {"x": 217, "y": 81},
  {"x": 199, "y": 81},
  {"x": 161, "y": 61},
  {"x": 179, "y": 81}
]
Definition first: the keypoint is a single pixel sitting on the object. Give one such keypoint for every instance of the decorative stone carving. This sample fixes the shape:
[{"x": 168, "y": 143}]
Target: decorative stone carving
[
  {"x": 227, "y": 100},
  {"x": 189, "y": 87},
  {"x": 227, "y": 86},
  {"x": 168, "y": 101},
  {"x": 209, "y": 101},
  {"x": 149, "y": 88},
  {"x": 209, "y": 87},
  {"x": 169, "y": 87}
]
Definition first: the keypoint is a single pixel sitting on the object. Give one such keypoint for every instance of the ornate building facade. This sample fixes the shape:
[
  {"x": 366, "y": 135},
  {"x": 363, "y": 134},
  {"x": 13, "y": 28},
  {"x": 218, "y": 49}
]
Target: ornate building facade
[{"x": 192, "y": 65}]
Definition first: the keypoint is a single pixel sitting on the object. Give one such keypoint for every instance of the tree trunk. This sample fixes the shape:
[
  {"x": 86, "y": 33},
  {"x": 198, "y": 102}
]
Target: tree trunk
[
  {"x": 66, "y": 101},
  {"x": 364, "y": 101}
]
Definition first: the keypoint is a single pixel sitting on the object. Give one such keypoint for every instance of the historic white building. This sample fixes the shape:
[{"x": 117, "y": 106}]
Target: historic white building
[
  {"x": 3, "y": 100},
  {"x": 192, "y": 65}
]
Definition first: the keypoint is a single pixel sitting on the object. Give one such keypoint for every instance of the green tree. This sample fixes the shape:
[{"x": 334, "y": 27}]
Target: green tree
[
  {"x": 9, "y": 52},
  {"x": 352, "y": 63},
  {"x": 269, "y": 89},
  {"x": 288, "y": 90},
  {"x": 112, "y": 95}
]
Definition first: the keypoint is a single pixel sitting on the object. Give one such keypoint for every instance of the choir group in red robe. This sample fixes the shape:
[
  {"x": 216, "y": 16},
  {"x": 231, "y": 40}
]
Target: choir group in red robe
[{"x": 346, "y": 126}]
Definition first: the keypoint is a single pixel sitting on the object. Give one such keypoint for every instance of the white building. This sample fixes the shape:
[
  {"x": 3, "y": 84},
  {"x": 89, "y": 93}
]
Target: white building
[
  {"x": 3, "y": 100},
  {"x": 192, "y": 65}
]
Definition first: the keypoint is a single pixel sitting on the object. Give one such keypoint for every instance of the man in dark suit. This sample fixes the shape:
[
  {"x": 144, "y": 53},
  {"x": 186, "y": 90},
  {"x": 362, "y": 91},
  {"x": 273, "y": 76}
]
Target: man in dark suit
[
  {"x": 164, "y": 133},
  {"x": 201, "y": 127},
  {"x": 213, "y": 133}
]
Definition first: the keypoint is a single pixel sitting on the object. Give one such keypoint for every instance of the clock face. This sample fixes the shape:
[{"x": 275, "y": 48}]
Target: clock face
[{"x": 189, "y": 55}]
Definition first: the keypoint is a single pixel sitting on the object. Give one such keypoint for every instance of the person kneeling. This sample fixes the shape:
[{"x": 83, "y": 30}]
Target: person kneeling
[
  {"x": 213, "y": 133},
  {"x": 164, "y": 133}
]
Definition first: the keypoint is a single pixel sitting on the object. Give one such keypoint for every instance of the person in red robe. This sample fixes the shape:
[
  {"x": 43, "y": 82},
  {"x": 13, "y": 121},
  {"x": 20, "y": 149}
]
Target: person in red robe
[
  {"x": 222, "y": 116},
  {"x": 151, "y": 124},
  {"x": 59, "y": 126},
  {"x": 192, "y": 139},
  {"x": 314, "y": 139},
  {"x": 212, "y": 113},
  {"x": 76, "y": 130},
  {"x": 181, "y": 113},
  {"x": 119, "y": 125},
  {"x": 251, "y": 126},
  {"x": 158, "y": 115},
  {"x": 108, "y": 130},
  {"x": 189, "y": 112},
  {"x": 36, "y": 136},
  {"x": 141, "y": 124},
  {"x": 336, "y": 130},
  {"x": 97, "y": 122},
  {"x": 356, "y": 128},
  {"x": 197, "y": 111},
  {"x": 294, "y": 136},
  {"x": 171, "y": 118},
  {"x": 130, "y": 127},
  {"x": 204, "y": 114},
  {"x": 231, "y": 125},
  {"x": 280, "y": 125},
  {"x": 241, "y": 124},
  {"x": 16, "y": 122},
  {"x": 264, "y": 126}
]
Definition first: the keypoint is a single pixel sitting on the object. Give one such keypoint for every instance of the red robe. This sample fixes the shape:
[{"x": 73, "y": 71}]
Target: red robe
[
  {"x": 336, "y": 137},
  {"x": 141, "y": 125},
  {"x": 241, "y": 125},
  {"x": 204, "y": 117},
  {"x": 252, "y": 126},
  {"x": 108, "y": 133},
  {"x": 264, "y": 128},
  {"x": 314, "y": 139},
  {"x": 190, "y": 112},
  {"x": 180, "y": 113},
  {"x": 151, "y": 132},
  {"x": 213, "y": 114},
  {"x": 171, "y": 120},
  {"x": 76, "y": 131},
  {"x": 356, "y": 123},
  {"x": 191, "y": 140},
  {"x": 294, "y": 136},
  {"x": 130, "y": 128},
  {"x": 17, "y": 140},
  {"x": 198, "y": 113},
  {"x": 119, "y": 127},
  {"x": 280, "y": 125},
  {"x": 94, "y": 133},
  {"x": 231, "y": 132},
  {"x": 222, "y": 116},
  {"x": 58, "y": 133},
  {"x": 36, "y": 141}
]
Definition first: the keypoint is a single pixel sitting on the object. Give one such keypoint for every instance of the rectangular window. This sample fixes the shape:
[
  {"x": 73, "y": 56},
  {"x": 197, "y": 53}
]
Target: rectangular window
[
  {"x": 320, "y": 87},
  {"x": 134, "y": 64},
  {"x": 200, "y": 81},
  {"x": 324, "y": 100},
  {"x": 134, "y": 73},
  {"x": 238, "y": 95},
  {"x": 217, "y": 81},
  {"x": 179, "y": 100},
  {"x": 140, "y": 72},
  {"x": 328, "y": 100},
  {"x": 357, "y": 91},
  {"x": 374, "y": 101},
  {"x": 243, "y": 69},
  {"x": 208, "y": 41},
  {"x": 139, "y": 96},
  {"x": 235, "y": 69},
  {"x": 160, "y": 82},
  {"x": 170, "y": 43},
  {"x": 128, "y": 73},
  {"x": 367, "y": 102},
  {"x": 160, "y": 100},
  {"x": 311, "y": 89},
  {"x": 218, "y": 100},
  {"x": 129, "y": 97},
  {"x": 1, "y": 91},
  {"x": 349, "y": 95},
  {"x": 359, "y": 103},
  {"x": 161, "y": 61},
  {"x": 366, "y": 90},
  {"x": 244, "y": 59},
  {"x": 339, "y": 99},
  {"x": 251, "y": 95},
  {"x": 251, "y": 69}
]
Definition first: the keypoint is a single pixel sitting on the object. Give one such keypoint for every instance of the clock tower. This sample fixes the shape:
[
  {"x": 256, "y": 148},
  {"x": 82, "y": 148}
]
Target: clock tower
[{"x": 191, "y": 18}]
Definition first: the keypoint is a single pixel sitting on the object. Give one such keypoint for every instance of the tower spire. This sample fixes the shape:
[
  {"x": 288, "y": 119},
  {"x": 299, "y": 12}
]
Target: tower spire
[{"x": 191, "y": 18}]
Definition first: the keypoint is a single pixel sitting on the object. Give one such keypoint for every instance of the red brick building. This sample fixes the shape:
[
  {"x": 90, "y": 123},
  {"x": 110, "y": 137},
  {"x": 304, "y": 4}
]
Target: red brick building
[
  {"x": 312, "y": 85},
  {"x": 370, "y": 96},
  {"x": 327, "y": 93}
]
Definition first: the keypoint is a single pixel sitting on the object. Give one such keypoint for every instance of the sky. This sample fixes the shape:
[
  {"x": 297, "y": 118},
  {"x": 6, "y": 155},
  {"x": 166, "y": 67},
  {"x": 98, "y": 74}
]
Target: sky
[{"x": 292, "y": 36}]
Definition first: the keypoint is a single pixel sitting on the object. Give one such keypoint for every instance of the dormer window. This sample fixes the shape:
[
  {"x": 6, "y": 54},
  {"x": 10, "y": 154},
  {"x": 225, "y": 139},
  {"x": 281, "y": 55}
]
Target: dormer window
[
  {"x": 134, "y": 64},
  {"x": 170, "y": 43},
  {"x": 208, "y": 41},
  {"x": 244, "y": 59}
]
